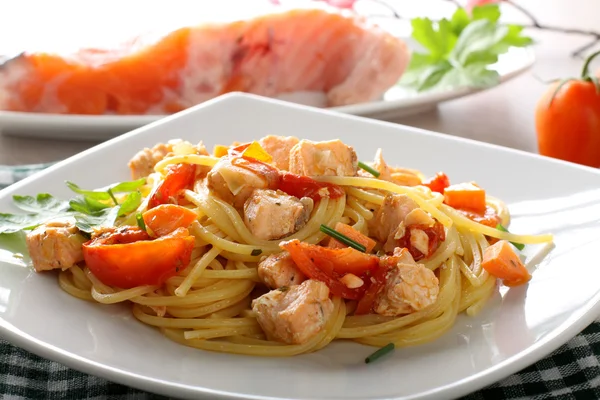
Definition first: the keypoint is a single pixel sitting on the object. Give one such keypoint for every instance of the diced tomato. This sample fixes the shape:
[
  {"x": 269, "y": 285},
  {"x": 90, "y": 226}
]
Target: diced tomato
[
  {"x": 465, "y": 196},
  {"x": 353, "y": 234},
  {"x": 303, "y": 186},
  {"x": 438, "y": 183},
  {"x": 165, "y": 218},
  {"x": 501, "y": 261},
  {"x": 179, "y": 177},
  {"x": 324, "y": 273},
  {"x": 376, "y": 282},
  {"x": 127, "y": 258},
  {"x": 435, "y": 233}
]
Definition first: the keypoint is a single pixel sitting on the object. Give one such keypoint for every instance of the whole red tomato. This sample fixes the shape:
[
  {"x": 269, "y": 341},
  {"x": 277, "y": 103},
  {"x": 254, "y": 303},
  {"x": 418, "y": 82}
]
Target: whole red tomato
[{"x": 567, "y": 120}]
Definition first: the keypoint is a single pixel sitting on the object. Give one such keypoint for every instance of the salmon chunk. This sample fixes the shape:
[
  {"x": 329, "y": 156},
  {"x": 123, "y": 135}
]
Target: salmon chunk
[
  {"x": 389, "y": 221},
  {"x": 143, "y": 162},
  {"x": 278, "y": 270},
  {"x": 323, "y": 158},
  {"x": 273, "y": 214},
  {"x": 294, "y": 314},
  {"x": 409, "y": 287},
  {"x": 399, "y": 176},
  {"x": 235, "y": 184},
  {"x": 279, "y": 148},
  {"x": 55, "y": 245}
]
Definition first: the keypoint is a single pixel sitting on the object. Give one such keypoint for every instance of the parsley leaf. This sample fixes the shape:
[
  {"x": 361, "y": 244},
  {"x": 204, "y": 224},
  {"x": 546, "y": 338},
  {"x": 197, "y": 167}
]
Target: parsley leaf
[
  {"x": 91, "y": 209},
  {"x": 460, "y": 49}
]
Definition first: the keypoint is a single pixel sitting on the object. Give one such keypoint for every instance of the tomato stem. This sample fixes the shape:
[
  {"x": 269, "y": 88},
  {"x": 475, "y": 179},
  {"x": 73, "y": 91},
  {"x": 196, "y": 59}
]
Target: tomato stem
[{"x": 585, "y": 73}]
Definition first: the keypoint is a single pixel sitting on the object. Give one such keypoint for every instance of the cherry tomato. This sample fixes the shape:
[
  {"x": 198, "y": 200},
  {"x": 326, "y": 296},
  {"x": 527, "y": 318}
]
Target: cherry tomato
[
  {"x": 310, "y": 269},
  {"x": 303, "y": 186},
  {"x": 178, "y": 178},
  {"x": 165, "y": 218},
  {"x": 127, "y": 258},
  {"x": 567, "y": 120},
  {"x": 376, "y": 282},
  {"x": 438, "y": 183},
  {"x": 344, "y": 260}
]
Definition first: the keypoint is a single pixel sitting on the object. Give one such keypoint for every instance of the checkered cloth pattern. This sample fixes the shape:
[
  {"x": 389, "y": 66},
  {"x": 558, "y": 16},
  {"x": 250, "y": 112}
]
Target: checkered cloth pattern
[{"x": 571, "y": 372}]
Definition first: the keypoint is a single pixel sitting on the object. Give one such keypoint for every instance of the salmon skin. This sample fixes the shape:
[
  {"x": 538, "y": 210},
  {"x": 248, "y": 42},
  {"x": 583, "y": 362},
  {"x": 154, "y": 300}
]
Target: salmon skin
[{"x": 339, "y": 54}]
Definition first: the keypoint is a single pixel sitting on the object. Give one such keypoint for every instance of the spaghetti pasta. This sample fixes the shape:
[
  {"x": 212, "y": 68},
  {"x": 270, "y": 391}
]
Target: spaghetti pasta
[{"x": 214, "y": 301}]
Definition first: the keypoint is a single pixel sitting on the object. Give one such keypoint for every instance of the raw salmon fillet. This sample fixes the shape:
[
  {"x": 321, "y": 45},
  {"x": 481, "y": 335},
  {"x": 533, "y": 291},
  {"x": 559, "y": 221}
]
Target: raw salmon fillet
[{"x": 317, "y": 50}]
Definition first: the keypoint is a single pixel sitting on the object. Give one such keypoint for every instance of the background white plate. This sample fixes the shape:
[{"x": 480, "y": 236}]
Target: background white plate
[
  {"x": 517, "y": 328},
  {"x": 395, "y": 103}
]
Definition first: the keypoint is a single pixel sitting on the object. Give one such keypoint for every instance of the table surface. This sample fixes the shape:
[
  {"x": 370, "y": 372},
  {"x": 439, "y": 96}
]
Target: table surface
[{"x": 502, "y": 115}]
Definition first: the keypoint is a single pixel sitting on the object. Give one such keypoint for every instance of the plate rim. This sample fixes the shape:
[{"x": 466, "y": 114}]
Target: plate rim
[{"x": 558, "y": 337}]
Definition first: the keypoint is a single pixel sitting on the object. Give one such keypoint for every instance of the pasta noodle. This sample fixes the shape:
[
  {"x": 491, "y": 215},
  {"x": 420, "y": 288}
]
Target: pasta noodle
[{"x": 208, "y": 303}]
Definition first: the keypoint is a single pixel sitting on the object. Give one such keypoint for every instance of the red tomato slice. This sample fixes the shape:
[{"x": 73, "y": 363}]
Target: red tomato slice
[
  {"x": 329, "y": 277},
  {"x": 127, "y": 258},
  {"x": 376, "y": 282},
  {"x": 303, "y": 186},
  {"x": 178, "y": 178},
  {"x": 165, "y": 218}
]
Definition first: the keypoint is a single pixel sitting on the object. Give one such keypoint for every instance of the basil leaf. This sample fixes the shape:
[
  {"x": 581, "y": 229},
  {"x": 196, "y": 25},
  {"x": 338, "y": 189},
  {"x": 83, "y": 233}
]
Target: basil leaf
[
  {"x": 93, "y": 194},
  {"x": 104, "y": 218},
  {"x": 128, "y": 186},
  {"x": 131, "y": 203},
  {"x": 478, "y": 37},
  {"x": 490, "y": 12},
  {"x": 41, "y": 202}
]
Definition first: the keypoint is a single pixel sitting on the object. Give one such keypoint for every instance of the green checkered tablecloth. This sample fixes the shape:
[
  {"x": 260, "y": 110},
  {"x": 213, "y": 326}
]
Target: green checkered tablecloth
[{"x": 571, "y": 372}]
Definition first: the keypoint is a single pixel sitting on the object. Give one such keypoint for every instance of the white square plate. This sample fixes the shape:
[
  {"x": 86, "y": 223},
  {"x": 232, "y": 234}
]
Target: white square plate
[{"x": 517, "y": 328}]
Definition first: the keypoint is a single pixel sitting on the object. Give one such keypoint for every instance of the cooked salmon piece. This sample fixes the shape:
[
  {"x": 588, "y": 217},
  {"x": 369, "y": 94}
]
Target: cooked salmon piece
[
  {"x": 294, "y": 314},
  {"x": 55, "y": 245},
  {"x": 327, "y": 158},
  {"x": 399, "y": 176},
  {"x": 409, "y": 287},
  {"x": 271, "y": 214},
  {"x": 339, "y": 54},
  {"x": 278, "y": 270},
  {"x": 235, "y": 184},
  {"x": 387, "y": 225},
  {"x": 279, "y": 148},
  {"x": 143, "y": 162}
]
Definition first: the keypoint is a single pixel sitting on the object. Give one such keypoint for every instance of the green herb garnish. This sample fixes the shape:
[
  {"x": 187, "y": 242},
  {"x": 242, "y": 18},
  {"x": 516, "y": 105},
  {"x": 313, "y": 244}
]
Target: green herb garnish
[
  {"x": 519, "y": 246},
  {"x": 369, "y": 169},
  {"x": 459, "y": 50},
  {"x": 380, "y": 353},
  {"x": 342, "y": 238},
  {"x": 256, "y": 252},
  {"x": 140, "y": 222},
  {"x": 91, "y": 209}
]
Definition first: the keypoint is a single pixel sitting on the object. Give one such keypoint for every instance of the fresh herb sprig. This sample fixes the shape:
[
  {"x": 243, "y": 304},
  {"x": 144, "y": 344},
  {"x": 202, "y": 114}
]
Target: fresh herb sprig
[
  {"x": 369, "y": 169},
  {"x": 90, "y": 209},
  {"x": 459, "y": 50},
  {"x": 519, "y": 246}
]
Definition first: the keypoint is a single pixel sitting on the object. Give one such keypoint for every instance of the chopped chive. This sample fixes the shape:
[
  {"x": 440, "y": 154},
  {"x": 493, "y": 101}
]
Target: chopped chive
[
  {"x": 256, "y": 252},
  {"x": 342, "y": 238},
  {"x": 519, "y": 246},
  {"x": 140, "y": 222},
  {"x": 388, "y": 348},
  {"x": 368, "y": 169}
]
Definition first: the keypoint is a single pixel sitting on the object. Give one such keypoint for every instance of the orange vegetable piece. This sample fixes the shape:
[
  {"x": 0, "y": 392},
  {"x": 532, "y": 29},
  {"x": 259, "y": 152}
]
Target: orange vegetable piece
[
  {"x": 466, "y": 196},
  {"x": 353, "y": 234},
  {"x": 165, "y": 218},
  {"x": 501, "y": 261}
]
